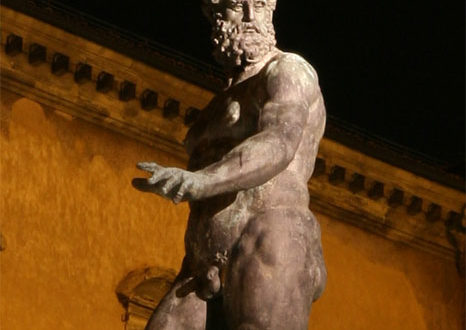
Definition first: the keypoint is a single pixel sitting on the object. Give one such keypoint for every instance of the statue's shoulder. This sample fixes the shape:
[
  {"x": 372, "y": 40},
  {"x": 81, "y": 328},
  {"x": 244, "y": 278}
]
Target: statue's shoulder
[
  {"x": 290, "y": 77},
  {"x": 290, "y": 64}
]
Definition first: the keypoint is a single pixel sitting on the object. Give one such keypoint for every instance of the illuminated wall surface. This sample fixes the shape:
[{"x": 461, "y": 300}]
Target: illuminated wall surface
[{"x": 73, "y": 228}]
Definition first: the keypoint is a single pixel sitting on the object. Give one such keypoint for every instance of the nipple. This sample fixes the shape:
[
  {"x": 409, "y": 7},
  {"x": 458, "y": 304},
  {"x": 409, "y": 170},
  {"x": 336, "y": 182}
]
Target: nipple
[{"x": 233, "y": 113}]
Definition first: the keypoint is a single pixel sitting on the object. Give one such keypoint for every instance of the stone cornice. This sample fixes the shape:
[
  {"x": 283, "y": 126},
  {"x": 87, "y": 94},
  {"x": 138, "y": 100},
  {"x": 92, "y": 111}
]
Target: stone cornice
[
  {"x": 89, "y": 81},
  {"x": 389, "y": 201},
  {"x": 29, "y": 74},
  {"x": 124, "y": 42}
]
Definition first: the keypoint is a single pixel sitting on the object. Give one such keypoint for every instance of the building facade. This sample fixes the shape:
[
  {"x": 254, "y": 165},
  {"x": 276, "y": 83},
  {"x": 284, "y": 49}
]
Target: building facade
[{"x": 82, "y": 249}]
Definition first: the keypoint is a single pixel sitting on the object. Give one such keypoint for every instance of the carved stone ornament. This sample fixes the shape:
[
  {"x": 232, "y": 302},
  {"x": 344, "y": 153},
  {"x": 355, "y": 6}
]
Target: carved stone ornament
[{"x": 253, "y": 248}]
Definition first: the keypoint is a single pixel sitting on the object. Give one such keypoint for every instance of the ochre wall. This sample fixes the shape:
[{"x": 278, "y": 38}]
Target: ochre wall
[
  {"x": 73, "y": 224},
  {"x": 374, "y": 283},
  {"x": 74, "y": 228}
]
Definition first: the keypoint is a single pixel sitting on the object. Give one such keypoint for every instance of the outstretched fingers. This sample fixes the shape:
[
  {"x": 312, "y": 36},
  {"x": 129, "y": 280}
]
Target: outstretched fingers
[
  {"x": 172, "y": 182},
  {"x": 161, "y": 174},
  {"x": 149, "y": 166},
  {"x": 182, "y": 190}
]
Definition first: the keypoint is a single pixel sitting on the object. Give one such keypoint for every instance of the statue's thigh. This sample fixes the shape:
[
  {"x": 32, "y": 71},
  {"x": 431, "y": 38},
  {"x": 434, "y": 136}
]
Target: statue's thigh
[
  {"x": 268, "y": 283},
  {"x": 179, "y": 312}
]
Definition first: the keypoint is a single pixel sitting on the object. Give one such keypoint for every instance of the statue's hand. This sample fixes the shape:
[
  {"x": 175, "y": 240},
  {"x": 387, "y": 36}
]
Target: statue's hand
[{"x": 171, "y": 182}]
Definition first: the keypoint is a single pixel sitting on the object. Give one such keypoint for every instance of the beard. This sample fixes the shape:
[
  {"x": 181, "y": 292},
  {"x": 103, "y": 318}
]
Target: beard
[{"x": 239, "y": 45}]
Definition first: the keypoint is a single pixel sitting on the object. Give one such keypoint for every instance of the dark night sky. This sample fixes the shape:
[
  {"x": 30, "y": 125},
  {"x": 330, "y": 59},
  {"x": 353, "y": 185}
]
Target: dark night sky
[{"x": 394, "y": 69}]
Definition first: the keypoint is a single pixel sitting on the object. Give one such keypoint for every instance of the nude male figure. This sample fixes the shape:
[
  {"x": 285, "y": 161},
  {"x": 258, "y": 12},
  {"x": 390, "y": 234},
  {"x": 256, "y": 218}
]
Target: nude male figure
[{"x": 253, "y": 251}]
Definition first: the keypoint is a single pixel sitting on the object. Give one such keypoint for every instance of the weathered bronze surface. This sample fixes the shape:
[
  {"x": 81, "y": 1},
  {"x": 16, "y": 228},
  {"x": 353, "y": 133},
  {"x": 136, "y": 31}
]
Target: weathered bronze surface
[{"x": 253, "y": 251}]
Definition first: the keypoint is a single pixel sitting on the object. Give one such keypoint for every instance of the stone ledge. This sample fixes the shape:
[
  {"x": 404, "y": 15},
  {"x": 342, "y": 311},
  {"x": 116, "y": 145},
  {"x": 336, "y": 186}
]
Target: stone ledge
[{"x": 140, "y": 292}]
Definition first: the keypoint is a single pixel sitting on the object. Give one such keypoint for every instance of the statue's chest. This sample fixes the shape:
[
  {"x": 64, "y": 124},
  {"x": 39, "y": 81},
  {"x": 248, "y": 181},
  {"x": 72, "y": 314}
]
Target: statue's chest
[
  {"x": 231, "y": 118},
  {"x": 234, "y": 118},
  {"x": 237, "y": 111}
]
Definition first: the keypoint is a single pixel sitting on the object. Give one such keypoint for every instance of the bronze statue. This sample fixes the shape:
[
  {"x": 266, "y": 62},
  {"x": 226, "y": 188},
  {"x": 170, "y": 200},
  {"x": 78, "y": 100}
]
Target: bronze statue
[{"x": 253, "y": 251}]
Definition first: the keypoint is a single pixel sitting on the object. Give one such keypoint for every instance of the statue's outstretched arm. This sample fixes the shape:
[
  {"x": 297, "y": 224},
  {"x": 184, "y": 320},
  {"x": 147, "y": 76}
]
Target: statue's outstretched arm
[
  {"x": 263, "y": 155},
  {"x": 257, "y": 159}
]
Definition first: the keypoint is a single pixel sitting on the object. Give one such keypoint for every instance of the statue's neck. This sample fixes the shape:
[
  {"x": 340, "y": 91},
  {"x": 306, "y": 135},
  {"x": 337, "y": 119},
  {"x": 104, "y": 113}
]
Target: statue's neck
[{"x": 242, "y": 73}]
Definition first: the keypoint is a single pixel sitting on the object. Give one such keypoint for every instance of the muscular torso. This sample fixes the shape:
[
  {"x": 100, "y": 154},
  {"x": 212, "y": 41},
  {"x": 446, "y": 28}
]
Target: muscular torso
[{"x": 232, "y": 117}]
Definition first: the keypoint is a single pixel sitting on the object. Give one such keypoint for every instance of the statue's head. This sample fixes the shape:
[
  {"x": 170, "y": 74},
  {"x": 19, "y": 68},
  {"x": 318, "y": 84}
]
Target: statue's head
[{"x": 242, "y": 30}]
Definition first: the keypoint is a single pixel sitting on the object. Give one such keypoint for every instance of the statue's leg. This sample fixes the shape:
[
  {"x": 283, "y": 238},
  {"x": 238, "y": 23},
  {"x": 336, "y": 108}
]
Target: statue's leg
[
  {"x": 180, "y": 309},
  {"x": 275, "y": 272}
]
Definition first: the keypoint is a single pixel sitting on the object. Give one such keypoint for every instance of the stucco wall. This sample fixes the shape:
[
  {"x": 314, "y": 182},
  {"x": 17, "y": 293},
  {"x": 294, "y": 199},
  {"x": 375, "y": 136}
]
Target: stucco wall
[
  {"x": 73, "y": 224},
  {"x": 74, "y": 228},
  {"x": 374, "y": 283}
]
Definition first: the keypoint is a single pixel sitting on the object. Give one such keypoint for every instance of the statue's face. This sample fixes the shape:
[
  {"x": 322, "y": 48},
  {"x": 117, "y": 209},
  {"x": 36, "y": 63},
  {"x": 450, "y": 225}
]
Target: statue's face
[
  {"x": 247, "y": 12},
  {"x": 242, "y": 31}
]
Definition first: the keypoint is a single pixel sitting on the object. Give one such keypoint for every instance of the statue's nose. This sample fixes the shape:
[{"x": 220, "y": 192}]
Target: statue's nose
[{"x": 248, "y": 15}]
